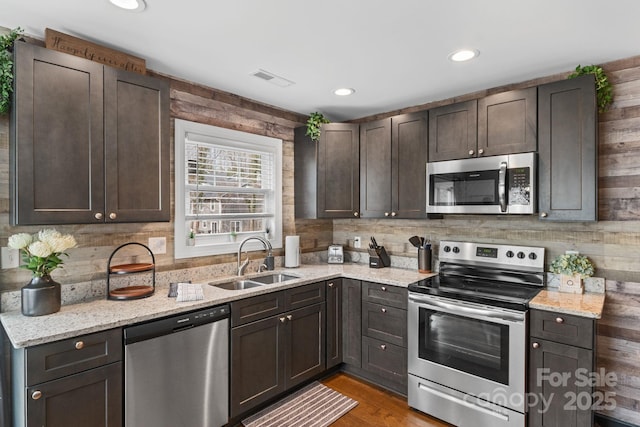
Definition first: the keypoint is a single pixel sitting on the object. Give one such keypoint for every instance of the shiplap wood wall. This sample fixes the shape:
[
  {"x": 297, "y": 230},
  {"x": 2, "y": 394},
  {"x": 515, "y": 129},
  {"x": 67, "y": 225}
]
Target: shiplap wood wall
[{"x": 613, "y": 243}]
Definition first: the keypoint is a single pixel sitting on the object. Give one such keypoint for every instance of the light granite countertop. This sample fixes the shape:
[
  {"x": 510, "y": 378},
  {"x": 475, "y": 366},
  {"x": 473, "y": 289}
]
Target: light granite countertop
[
  {"x": 87, "y": 317},
  {"x": 585, "y": 305}
]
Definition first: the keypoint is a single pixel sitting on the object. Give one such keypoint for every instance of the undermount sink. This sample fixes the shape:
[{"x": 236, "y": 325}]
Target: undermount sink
[
  {"x": 274, "y": 278},
  {"x": 237, "y": 285}
]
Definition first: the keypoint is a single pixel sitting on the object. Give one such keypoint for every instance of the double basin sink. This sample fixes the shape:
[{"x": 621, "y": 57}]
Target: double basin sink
[{"x": 239, "y": 284}]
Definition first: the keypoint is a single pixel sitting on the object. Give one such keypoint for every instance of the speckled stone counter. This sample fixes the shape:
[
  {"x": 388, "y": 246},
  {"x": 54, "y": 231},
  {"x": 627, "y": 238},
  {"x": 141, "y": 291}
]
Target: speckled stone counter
[
  {"x": 101, "y": 314},
  {"x": 585, "y": 305}
]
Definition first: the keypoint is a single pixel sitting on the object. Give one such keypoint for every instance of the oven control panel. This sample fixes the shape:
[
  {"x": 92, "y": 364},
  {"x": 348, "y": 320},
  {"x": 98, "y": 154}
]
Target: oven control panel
[{"x": 507, "y": 255}]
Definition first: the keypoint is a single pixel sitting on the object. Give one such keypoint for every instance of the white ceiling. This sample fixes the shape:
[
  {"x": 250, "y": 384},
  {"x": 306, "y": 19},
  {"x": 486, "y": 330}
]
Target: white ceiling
[{"x": 393, "y": 52}]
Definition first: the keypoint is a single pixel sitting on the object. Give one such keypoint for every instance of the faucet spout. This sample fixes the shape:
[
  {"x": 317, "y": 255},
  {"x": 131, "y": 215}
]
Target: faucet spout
[{"x": 243, "y": 265}]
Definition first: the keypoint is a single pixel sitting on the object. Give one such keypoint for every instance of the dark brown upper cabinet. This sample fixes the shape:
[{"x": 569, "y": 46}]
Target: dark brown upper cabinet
[
  {"x": 568, "y": 150},
  {"x": 327, "y": 173},
  {"x": 507, "y": 123},
  {"x": 89, "y": 144},
  {"x": 393, "y": 156},
  {"x": 453, "y": 131}
]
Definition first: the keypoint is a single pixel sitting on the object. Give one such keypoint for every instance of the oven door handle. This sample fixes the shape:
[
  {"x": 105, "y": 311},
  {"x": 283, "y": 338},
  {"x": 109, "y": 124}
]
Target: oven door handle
[
  {"x": 462, "y": 310},
  {"x": 502, "y": 186}
]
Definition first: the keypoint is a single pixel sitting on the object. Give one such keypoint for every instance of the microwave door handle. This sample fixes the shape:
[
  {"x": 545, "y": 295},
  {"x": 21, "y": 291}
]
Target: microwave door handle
[{"x": 502, "y": 186}]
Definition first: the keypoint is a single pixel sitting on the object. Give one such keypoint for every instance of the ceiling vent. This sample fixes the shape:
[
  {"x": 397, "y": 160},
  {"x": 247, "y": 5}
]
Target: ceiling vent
[{"x": 272, "y": 78}]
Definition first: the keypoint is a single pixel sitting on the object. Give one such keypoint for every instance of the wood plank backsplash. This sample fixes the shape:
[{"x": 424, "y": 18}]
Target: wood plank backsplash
[{"x": 613, "y": 243}]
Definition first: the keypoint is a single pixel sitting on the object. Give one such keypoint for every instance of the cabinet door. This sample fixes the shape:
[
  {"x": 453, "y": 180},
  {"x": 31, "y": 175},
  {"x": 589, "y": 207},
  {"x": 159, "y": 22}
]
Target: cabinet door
[
  {"x": 385, "y": 323},
  {"x": 137, "y": 147},
  {"x": 351, "y": 322},
  {"x": 305, "y": 349},
  {"x": 568, "y": 150},
  {"x": 507, "y": 123},
  {"x": 334, "y": 322},
  {"x": 453, "y": 131},
  {"x": 387, "y": 361},
  {"x": 338, "y": 171},
  {"x": 375, "y": 169},
  {"x": 566, "y": 398},
  {"x": 91, "y": 398},
  {"x": 408, "y": 165},
  {"x": 257, "y": 363},
  {"x": 57, "y": 138}
]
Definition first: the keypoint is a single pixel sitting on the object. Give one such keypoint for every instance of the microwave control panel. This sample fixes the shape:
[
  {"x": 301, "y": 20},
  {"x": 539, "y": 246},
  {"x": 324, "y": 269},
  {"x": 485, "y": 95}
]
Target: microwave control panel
[{"x": 519, "y": 186}]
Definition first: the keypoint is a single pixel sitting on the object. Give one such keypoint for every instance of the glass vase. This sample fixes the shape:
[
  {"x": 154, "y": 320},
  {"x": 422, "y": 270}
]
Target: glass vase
[{"x": 41, "y": 296}]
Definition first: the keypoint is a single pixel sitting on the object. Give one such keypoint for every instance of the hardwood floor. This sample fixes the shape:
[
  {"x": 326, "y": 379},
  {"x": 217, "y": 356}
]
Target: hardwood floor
[{"x": 376, "y": 406}]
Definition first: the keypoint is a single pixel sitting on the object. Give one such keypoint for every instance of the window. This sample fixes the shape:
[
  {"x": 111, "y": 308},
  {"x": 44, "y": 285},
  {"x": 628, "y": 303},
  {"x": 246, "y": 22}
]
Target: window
[{"x": 228, "y": 187}]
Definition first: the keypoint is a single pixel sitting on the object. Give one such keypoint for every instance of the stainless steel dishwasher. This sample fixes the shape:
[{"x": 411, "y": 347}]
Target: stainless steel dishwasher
[{"x": 177, "y": 370}]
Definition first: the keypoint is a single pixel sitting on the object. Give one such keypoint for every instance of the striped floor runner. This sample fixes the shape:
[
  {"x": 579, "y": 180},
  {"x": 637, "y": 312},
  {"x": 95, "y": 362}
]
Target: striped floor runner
[{"x": 315, "y": 405}]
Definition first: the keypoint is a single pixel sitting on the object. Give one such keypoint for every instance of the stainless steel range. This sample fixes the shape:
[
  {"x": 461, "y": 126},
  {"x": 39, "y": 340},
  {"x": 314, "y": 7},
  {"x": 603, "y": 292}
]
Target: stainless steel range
[{"x": 467, "y": 334}]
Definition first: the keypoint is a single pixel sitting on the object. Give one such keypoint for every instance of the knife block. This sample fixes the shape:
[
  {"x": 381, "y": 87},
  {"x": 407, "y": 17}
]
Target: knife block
[{"x": 378, "y": 258}]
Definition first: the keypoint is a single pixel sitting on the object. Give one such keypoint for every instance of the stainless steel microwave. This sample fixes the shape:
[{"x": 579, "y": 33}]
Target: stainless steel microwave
[{"x": 484, "y": 185}]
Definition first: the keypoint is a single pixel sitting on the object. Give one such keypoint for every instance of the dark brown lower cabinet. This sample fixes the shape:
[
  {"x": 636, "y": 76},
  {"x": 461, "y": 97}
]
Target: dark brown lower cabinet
[
  {"x": 352, "y": 322},
  {"x": 334, "y": 322},
  {"x": 91, "y": 398},
  {"x": 386, "y": 361},
  {"x": 271, "y": 355}
]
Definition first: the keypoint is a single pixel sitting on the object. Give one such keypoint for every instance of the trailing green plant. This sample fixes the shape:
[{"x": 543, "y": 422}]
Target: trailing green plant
[
  {"x": 604, "y": 90},
  {"x": 6, "y": 68},
  {"x": 572, "y": 264},
  {"x": 313, "y": 125}
]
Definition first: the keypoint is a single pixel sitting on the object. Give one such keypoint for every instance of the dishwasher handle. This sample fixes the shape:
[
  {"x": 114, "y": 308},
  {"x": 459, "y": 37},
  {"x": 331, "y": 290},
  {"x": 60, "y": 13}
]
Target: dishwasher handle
[{"x": 170, "y": 325}]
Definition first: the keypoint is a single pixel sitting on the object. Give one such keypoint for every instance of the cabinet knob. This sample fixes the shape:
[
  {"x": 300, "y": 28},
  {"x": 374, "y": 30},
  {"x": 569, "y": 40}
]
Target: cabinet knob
[
  {"x": 98, "y": 215},
  {"x": 481, "y": 151},
  {"x": 471, "y": 152},
  {"x": 559, "y": 320},
  {"x": 383, "y": 346},
  {"x": 535, "y": 345},
  {"x": 36, "y": 395},
  {"x": 356, "y": 214},
  {"x": 289, "y": 317},
  {"x": 383, "y": 289},
  {"x": 112, "y": 215},
  {"x": 386, "y": 214},
  {"x": 543, "y": 214},
  {"x": 393, "y": 214},
  {"x": 384, "y": 310},
  {"x": 330, "y": 285},
  {"x": 282, "y": 320},
  {"x": 79, "y": 345}
]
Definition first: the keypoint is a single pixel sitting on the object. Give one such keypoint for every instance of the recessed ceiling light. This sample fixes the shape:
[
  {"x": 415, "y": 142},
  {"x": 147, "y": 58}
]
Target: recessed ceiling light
[
  {"x": 463, "y": 55},
  {"x": 130, "y": 5},
  {"x": 344, "y": 91}
]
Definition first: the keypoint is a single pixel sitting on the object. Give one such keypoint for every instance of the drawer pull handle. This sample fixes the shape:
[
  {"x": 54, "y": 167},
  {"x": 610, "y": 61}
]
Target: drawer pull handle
[
  {"x": 79, "y": 345},
  {"x": 383, "y": 289},
  {"x": 36, "y": 395},
  {"x": 331, "y": 285},
  {"x": 289, "y": 317},
  {"x": 113, "y": 215},
  {"x": 98, "y": 215},
  {"x": 384, "y": 310},
  {"x": 383, "y": 346},
  {"x": 386, "y": 214},
  {"x": 282, "y": 320},
  {"x": 559, "y": 320},
  {"x": 535, "y": 345}
]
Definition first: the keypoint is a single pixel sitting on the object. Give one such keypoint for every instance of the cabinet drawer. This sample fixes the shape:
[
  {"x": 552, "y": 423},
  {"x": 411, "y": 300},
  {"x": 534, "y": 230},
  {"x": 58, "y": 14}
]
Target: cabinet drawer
[
  {"x": 385, "y": 323},
  {"x": 256, "y": 308},
  {"x": 385, "y": 360},
  {"x": 562, "y": 328},
  {"x": 61, "y": 358},
  {"x": 305, "y": 295},
  {"x": 393, "y": 296}
]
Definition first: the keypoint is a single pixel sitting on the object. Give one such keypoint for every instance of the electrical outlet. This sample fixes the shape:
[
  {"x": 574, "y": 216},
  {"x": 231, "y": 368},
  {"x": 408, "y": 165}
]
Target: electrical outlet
[
  {"x": 357, "y": 242},
  {"x": 572, "y": 253},
  {"x": 158, "y": 245},
  {"x": 10, "y": 258}
]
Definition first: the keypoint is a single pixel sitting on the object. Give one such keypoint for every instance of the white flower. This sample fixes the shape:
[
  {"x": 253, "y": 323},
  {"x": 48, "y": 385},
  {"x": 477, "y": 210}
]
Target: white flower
[
  {"x": 40, "y": 249},
  {"x": 62, "y": 243},
  {"x": 19, "y": 241}
]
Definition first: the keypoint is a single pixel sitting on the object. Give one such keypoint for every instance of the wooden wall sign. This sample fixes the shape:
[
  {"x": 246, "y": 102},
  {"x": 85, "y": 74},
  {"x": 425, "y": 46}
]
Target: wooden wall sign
[{"x": 72, "y": 45}]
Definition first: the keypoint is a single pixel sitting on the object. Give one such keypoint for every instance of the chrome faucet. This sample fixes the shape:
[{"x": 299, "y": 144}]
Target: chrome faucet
[{"x": 267, "y": 247}]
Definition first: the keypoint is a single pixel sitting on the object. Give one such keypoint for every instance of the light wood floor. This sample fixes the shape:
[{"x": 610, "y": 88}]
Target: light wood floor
[{"x": 376, "y": 406}]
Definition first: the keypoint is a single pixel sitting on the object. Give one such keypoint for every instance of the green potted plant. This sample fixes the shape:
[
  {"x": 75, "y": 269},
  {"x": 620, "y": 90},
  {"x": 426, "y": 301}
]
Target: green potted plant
[
  {"x": 572, "y": 268},
  {"x": 191, "y": 238},
  {"x": 604, "y": 90},
  {"x": 6, "y": 68},
  {"x": 313, "y": 125}
]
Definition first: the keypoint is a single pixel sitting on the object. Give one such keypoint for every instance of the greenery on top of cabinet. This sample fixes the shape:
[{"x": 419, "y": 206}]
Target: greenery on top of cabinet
[
  {"x": 604, "y": 90},
  {"x": 313, "y": 125},
  {"x": 6, "y": 68}
]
